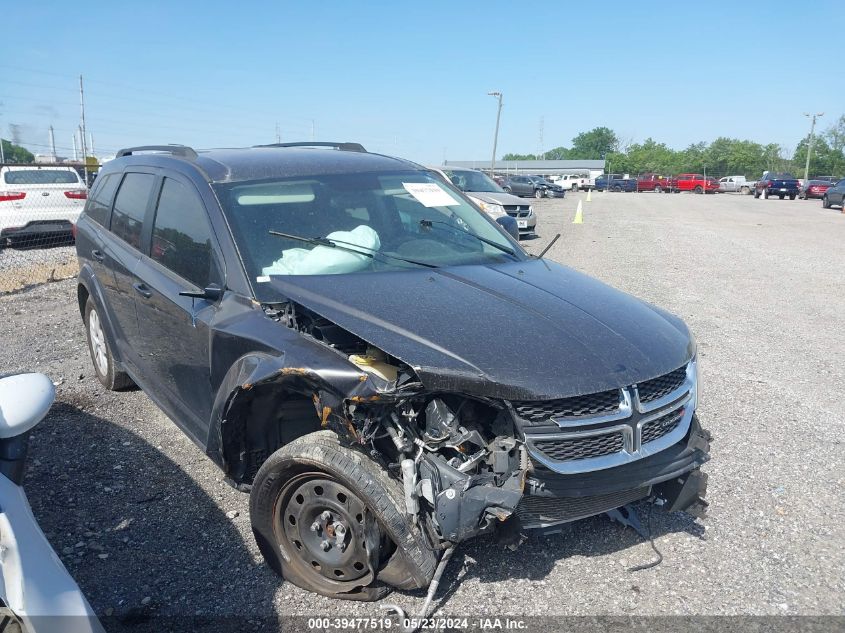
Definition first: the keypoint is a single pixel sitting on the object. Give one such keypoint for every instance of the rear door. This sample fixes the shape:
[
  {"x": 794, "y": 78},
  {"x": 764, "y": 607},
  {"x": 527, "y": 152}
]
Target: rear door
[
  {"x": 122, "y": 249},
  {"x": 174, "y": 345}
]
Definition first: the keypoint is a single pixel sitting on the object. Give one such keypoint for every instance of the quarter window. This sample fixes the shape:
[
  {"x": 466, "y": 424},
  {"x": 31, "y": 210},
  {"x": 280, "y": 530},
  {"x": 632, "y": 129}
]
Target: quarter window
[
  {"x": 100, "y": 203},
  {"x": 182, "y": 235},
  {"x": 130, "y": 207}
]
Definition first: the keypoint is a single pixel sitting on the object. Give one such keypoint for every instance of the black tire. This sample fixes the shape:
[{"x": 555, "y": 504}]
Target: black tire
[
  {"x": 99, "y": 348},
  {"x": 616, "y": 189},
  {"x": 792, "y": 196},
  {"x": 395, "y": 556},
  {"x": 658, "y": 189},
  {"x": 507, "y": 189},
  {"x": 698, "y": 189},
  {"x": 825, "y": 202},
  {"x": 744, "y": 191},
  {"x": 538, "y": 193},
  {"x": 765, "y": 194}
]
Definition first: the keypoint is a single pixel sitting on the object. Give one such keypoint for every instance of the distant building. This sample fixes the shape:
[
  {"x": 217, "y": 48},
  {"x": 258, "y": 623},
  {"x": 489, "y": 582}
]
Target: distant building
[
  {"x": 536, "y": 167},
  {"x": 49, "y": 158}
]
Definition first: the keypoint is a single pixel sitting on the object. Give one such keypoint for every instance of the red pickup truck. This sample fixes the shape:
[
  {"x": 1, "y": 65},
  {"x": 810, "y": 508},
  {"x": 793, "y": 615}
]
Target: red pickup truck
[
  {"x": 693, "y": 182},
  {"x": 652, "y": 182}
]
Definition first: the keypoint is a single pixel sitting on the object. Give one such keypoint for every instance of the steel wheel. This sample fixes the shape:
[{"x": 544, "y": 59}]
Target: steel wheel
[
  {"x": 320, "y": 524},
  {"x": 658, "y": 189},
  {"x": 98, "y": 343},
  {"x": 538, "y": 193}
]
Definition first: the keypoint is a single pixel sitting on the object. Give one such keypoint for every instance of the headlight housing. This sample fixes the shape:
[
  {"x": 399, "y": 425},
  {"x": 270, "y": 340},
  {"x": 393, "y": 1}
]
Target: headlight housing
[
  {"x": 530, "y": 211},
  {"x": 492, "y": 209}
]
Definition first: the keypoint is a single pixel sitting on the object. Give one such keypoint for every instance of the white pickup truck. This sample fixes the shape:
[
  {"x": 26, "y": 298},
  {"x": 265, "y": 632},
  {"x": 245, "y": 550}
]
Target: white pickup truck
[
  {"x": 736, "y": 184},
  {"x": 575, "y": 182}
]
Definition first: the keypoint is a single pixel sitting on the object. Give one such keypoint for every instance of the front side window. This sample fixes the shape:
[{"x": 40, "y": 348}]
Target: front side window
[
  {"x": 130, "y": 206},
  {"x": 369, "y": 222},
  {"x": 181, "y": 239}
]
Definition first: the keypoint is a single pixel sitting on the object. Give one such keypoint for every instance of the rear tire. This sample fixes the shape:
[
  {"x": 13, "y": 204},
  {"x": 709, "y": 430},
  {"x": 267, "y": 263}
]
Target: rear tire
[
  {"x": 507, "y": 189},
  {"x": 382, "y": 547},
  {"x": 698, "y": 189},
  {"x": 765, "y": 194},
  {"x": 109, "y": 376},
  {"x": 825, "y": 202},
  {"x": 538, "y": 193},
  {"x": 658, "y": 189}
]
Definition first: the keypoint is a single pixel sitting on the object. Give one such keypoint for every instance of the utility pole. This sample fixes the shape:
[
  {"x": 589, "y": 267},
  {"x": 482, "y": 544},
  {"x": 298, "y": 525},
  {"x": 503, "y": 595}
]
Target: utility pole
[
  {"x": 541, "y": 154},
  {"x": 2, "y": 152},
  {"x": 810, "y": 144},
  {"x": 313, "y": 130},
  {"x": 75, "y": 151},
  {"x": 91, "y": 138},
  {"x": 53, "y": 157},
  {"x": 278, "y": 133},
  {"x": 498, "y": 95},
  {"x": 82, "y": 128}
]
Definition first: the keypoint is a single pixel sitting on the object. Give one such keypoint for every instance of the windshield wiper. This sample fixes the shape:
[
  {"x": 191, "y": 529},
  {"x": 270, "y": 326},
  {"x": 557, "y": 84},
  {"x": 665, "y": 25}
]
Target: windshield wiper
[
  {"x": 332, "y": 243},
  {"x": 322, "y": 241},
  {"x": 505, "y": 249}
]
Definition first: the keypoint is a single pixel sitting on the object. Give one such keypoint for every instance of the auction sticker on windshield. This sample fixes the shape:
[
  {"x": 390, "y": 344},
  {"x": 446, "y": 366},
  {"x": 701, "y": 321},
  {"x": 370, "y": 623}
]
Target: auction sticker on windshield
[{"x": 430, "y": 194}]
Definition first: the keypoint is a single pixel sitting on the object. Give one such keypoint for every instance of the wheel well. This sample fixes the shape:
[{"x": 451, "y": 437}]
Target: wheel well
[
  {"x": 268, "y": 417},
  {"x": 82, "y": 297}
]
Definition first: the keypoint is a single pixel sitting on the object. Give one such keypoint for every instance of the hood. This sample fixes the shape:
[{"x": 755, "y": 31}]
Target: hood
[
  {"x": 523, "y": 330},
  {"x": 505, "y": 199}
]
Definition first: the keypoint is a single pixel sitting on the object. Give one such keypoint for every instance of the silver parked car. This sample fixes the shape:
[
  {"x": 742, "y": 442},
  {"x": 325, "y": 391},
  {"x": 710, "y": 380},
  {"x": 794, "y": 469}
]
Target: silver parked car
[{"x": 492, "y": 199}]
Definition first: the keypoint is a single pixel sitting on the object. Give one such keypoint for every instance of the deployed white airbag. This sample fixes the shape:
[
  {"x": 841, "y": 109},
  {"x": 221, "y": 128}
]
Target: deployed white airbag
[{"x": 325, "y": 260}]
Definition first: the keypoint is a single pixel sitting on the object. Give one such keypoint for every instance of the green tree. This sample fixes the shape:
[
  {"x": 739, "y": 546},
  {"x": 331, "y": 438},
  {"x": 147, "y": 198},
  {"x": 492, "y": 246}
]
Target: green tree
[
  {"x": 594, "y": 144},
  {"x": 519, "y": 157},
  {"x": 16, "y": 154},
  {"x": 824, "y": 161},
  {"x": 649, "y": 156},
  {"x": 558, "y": 153}
]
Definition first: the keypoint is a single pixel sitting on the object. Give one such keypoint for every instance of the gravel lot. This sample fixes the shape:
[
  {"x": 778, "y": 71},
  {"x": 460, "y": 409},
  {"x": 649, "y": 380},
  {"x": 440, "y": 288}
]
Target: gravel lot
[{"x": 143, "y": 521}]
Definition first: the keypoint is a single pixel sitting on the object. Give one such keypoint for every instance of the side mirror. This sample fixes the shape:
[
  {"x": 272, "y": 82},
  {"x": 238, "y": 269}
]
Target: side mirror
[
  {"x": 509, "y": 224},
  {"x": 210, "y": 293}
]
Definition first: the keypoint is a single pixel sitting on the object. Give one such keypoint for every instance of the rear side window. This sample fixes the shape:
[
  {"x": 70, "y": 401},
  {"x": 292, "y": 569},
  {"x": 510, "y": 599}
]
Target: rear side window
[
  {"x": 100, "y": 202},
  {"x": 182, "y": 235},
  {"x": 42, "y": 177},
  {"x": 130, "y": 206}
]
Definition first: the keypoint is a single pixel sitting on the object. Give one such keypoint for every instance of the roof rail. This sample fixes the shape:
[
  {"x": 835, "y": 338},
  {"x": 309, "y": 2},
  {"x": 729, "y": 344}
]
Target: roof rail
[
  {"x": 182, "y": 151},
  {"x": 348, "y": 147}
]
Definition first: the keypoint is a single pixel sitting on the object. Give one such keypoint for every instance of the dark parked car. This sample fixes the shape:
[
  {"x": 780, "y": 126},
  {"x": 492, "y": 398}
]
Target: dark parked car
[
  {"x": 315, "y": 319},
  {"x": 835, "y": 195},
  {"x": 814, "y": 189},
  {"x": 615, "y": 182},
  {"x": 532, "y": 186},
  {"x": 777, "y": 184}
]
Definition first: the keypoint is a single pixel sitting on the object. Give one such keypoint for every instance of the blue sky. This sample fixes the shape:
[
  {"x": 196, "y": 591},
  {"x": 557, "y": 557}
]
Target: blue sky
[{"x": 411, "y": 79}]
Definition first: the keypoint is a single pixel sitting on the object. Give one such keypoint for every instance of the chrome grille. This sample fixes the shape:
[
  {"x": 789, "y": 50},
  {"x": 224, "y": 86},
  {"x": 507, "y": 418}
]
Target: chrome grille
[
  {"x": 570, "y": 449},
  {"x": 576, "y": 407},
  {"x": 658, "y": 387},
  {"x": 661, "y": 426},
  {"x": 609, "y": 428}
]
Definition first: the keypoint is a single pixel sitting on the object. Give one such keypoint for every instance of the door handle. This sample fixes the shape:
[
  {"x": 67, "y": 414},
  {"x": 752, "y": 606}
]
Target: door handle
[
  {"x": 98, "y": 255},
  {"x": 141, "y": 289}
]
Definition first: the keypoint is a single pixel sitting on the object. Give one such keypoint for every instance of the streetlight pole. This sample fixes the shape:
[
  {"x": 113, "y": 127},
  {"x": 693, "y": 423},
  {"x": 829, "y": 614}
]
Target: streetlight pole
[
  {"x": 810, "y": 144},
  {"x": 498, "y": 95}
]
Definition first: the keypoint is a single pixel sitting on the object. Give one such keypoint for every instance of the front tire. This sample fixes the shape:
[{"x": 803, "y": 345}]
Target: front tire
[
  {"x": 313, "y": 485},
  {"x": 765, "y": 194},
  {"x": 107, "y": 373},
  {"x": 658, "y": 189},
  {"x": 698, "y": 189},
  {"x": 825, "y": 202}
]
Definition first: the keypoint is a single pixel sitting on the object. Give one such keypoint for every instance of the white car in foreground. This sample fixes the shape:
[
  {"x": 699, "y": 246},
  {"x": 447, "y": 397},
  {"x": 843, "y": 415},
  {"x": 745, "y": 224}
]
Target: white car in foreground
[
  {"x": 37, "y": 593},
  {"x": 39, "y": 201}
]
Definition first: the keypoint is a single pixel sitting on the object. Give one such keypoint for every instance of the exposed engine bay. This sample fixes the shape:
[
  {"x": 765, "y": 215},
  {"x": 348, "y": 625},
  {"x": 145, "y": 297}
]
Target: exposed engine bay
[{"x": 461, "y": 466}]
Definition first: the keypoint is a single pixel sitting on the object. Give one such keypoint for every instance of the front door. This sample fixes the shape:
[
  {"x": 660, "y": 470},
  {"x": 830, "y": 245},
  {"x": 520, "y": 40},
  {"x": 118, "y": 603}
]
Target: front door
[{"x": 175, "y": 330}]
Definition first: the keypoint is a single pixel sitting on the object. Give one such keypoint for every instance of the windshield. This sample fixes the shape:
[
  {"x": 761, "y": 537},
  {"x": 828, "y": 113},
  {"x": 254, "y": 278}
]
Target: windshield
[
  {"x": 372, "y": 222},
  {"x": 473, "y": 181}
]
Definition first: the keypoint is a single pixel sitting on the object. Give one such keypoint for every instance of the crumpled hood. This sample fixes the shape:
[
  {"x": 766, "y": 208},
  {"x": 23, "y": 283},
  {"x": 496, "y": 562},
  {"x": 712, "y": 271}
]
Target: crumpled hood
[
  {"x": 505, "y": 199},
  {"x": 522, "y": 330}
]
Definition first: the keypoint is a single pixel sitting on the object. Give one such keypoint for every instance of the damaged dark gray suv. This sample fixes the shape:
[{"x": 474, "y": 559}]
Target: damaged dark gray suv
[{"x": 331, "y": 327}]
